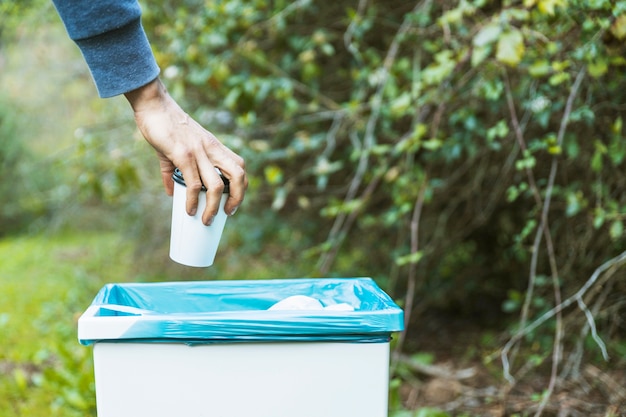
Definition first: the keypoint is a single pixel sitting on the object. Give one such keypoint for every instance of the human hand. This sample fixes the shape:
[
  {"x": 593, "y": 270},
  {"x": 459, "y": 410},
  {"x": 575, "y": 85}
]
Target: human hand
[{"x": 181, "y": 142}]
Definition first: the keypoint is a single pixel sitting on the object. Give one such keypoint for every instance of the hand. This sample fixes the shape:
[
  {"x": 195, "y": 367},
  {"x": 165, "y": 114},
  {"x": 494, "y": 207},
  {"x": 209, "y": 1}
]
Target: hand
[{"x": 181, "y": 142}]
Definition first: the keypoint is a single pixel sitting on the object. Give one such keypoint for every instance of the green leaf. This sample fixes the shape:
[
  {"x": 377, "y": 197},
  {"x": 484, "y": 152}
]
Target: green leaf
[
  {"x": 510, "y": 47},
  {"x": 412, "y": 143},
  {"x": 559, "y": 78},
  {"x": 400, "y": 105},
  {"x": 479, "y": 54},
  {"x": 432, "y": 144},
  {"x": 549, "y": 6},
  {"x": 598, "y": 218},
  {"x": 540, "y": 68},
  {"x": 324, "y": 167},
  {"x": 512, "y": 193},
  {"x": 492, "y": 89},
  {"x": 280, "y": 198},
  {"x": 574, "y": 204},
  {"x": 598, "y": 68},
  {"x": 443, "y": 66},
  {"x": 618, "y": 28},
  {"x": 20, "y": 378},
  {"x": 431, "y": 412},
  {"x": 526, "y": 162},
  {"x": 616, "y": 230},
  {"x": 273, "y": 174},
  {"x": 500, "y": 130},
  {"x": 510, "y": 306},
  {"x": 596, "y": 159},
  {"x": 411, "y": 258},
  {"x": 596, "y": 162},
  {"x": 231, "y": 99},
  {"x": 616, "y": 128},
  {"x": 487, "y": 35},
  {"x": 401, "y": 413},
  {"x": 424, "y": 358},
  {"x": 555, "y": 150},
  {"x": 515, "y": 14}
]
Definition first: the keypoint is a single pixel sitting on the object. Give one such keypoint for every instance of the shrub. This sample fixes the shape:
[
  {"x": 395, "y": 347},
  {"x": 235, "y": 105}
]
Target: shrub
[
  {"x": 469, "y": 151},
  {"x": 15, "y": 212}
]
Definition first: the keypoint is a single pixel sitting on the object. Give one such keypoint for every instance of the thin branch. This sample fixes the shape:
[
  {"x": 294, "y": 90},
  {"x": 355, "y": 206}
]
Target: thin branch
[
  {"x": 556, "y": 352},
  {"x": 369, "y": 138},
  {"x": 519, "y": 135},
  {"x": 572, "y": 368},
  {"x": 543, "y": 229},
  {"x": 412, "y": 278},
  {"x": 351, "y": 217},
  {"x": 611, "y": 263},
  {"x": 347, "y": 36}
]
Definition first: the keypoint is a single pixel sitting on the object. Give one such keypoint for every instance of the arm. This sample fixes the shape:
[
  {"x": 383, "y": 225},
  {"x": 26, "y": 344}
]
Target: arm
[
  {"x": 112, "y": 41},
  {"x": 116, "y": 49}
]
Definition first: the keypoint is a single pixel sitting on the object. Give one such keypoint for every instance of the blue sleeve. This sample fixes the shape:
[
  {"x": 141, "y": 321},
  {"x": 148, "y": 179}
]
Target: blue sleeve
[{"x": 112, "y": 40}]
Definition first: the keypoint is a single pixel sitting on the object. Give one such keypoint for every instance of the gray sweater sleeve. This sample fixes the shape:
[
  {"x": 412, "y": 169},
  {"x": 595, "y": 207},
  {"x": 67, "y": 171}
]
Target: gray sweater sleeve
[{"x": 112, "y": 40}]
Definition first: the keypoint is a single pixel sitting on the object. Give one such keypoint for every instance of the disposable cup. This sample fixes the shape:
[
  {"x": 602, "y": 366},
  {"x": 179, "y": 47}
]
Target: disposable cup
[{"x": 192, "y": 243}]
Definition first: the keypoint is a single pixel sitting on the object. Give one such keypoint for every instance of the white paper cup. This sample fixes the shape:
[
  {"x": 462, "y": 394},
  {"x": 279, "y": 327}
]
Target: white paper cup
[{"x": 192, "y": 243}]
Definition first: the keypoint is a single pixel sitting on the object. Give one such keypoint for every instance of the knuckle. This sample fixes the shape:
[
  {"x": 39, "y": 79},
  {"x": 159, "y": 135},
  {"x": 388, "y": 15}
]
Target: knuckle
[
  {"x": 239, "y": 173},
  {"x": 194, "y": 185},
  {"x": 215, "y": 185}
]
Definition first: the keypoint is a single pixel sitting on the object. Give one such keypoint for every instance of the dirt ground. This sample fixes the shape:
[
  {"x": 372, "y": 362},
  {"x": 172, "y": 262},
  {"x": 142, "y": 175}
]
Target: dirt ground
[{"x": 466, "y": 378}]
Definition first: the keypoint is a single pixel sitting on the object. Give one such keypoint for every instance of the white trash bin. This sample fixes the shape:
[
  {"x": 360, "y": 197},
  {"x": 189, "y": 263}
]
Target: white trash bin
[{"x": 216, "y": 349}]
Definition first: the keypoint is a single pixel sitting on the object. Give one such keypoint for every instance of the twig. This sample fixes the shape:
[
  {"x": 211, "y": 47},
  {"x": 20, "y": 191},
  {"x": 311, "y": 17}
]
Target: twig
[
  {"x": 347, "y": 36},
  {"x": 369, "y": 139},
  {"x": 412, "y": 278},
  {"x": 543, "y": 229},
  {"x": 573, "y": 366},
  {"x": 369, "y": 190},
  {"x": 611, "y": 263},
  {"x": 519, "y": 135},
  {"x": 556, "y": 351},
  {"x": 435, "y": 370},
  {"x": 616, "y": 391},
  {"x": 331, "y": 136}
]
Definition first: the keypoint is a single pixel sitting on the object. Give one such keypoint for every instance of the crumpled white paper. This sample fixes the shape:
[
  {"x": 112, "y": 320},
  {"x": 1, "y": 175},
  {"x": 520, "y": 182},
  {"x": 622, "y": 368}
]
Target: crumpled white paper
[{"x": 303, "y": 302}]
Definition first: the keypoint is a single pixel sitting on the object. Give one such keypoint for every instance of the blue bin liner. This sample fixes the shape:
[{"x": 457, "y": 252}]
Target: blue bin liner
[{"x": 237, "y": 311}]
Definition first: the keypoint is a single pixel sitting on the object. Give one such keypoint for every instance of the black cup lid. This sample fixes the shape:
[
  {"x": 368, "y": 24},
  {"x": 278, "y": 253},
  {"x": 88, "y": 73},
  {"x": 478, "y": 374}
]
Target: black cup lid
[{"x": 177, "y": 176}]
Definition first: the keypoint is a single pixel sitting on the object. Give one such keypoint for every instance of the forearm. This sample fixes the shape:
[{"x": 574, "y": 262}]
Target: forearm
[{"x": 112, "y": 41}]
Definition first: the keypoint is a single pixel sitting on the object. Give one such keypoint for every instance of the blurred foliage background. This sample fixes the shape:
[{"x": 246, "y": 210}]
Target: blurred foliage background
[{"x": 467, "y": 155}]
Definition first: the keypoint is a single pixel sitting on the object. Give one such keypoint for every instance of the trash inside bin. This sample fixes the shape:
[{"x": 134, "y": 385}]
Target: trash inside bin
[{"x": 228, "y": 348}]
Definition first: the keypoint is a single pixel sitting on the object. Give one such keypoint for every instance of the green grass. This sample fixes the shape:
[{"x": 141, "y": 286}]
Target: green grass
[{"x": 45, "y": 283}]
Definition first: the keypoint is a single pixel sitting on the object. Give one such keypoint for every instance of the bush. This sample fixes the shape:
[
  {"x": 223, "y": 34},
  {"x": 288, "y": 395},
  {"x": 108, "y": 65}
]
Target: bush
[
  {"x": 16, "y": 211},
  {"x": 469, "y": 151}
]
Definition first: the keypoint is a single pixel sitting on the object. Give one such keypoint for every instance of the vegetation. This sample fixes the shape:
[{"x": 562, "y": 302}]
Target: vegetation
[
  {"x": 469, "y": 151},
  {"x": 467, "y": 155}
]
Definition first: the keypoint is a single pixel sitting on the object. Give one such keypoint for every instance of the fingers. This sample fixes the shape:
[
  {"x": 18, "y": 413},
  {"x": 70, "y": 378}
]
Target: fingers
[
  {"x": 232, "y": 166},
  {"x": 214, "y": 189},
  {"x": 193, "y": 186},
  {"x": 167, "y": 169},
  {"x": 238, "y": 186},
  {"x": 181, "y": 142},
  {"x": 203, "y": 181}
]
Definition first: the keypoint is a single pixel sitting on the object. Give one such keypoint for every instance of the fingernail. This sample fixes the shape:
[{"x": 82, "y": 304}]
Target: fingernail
[
  {"x": 193, "y": 212},
  {"x": 210, "y": 220},
  {"x": 233, "y": 211}
]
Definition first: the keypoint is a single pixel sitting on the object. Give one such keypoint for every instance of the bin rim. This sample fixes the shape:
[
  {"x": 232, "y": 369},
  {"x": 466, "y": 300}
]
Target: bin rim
[{"x": 211, "y": 311}]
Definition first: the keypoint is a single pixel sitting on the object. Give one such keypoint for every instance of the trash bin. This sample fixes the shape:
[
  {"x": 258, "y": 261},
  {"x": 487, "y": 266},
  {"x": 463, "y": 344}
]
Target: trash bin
[{"x": 221, "y": 349}]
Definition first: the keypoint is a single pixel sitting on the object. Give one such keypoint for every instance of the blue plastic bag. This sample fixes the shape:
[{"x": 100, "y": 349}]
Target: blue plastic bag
[{"x": 237, "y": 311}]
